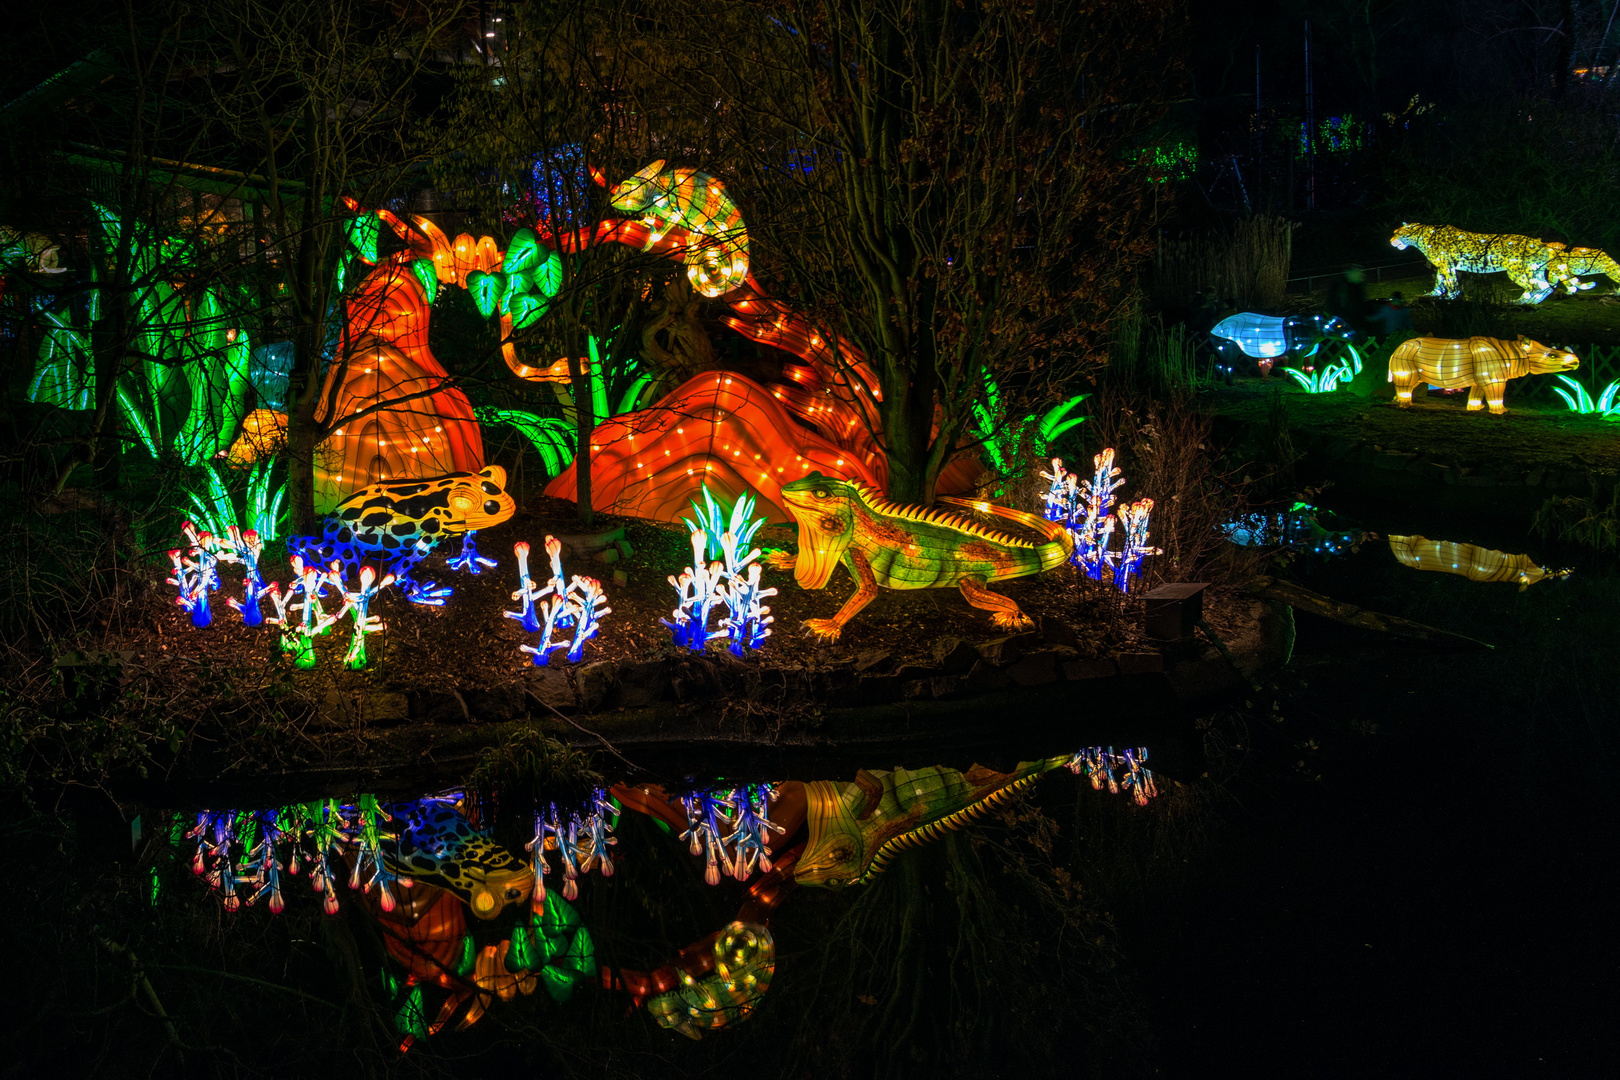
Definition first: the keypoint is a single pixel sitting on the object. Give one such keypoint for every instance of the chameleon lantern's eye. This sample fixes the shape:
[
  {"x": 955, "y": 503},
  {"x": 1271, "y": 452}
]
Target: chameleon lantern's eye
[{"x": 821, "y": 493}]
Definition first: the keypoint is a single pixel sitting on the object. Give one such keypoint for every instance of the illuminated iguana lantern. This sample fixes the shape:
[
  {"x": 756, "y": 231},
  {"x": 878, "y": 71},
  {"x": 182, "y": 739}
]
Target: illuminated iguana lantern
[{"x": 910, "y": 547}]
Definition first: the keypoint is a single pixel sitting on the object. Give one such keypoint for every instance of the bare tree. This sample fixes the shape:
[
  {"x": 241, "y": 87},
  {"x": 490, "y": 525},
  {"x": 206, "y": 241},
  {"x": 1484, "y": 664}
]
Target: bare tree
[
  {"x": 317, "y": 100},
  {"x": 558, "y": 105},
  {"x": 946, "y": 186}
]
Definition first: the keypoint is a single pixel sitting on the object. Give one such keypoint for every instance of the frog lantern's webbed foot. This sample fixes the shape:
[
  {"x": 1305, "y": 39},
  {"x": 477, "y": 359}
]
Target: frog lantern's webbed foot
[
  {"x": 469, "y": 561},
  {"x": 430, "y": 593}
]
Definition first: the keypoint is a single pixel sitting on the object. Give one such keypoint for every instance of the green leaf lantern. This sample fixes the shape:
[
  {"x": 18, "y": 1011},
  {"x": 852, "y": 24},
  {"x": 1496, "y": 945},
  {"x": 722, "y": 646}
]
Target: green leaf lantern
[
  {"x": 363, "y": 231},
  {"x": 527, "y": 309},
  {"x": 427, "y": 276},
  {"x": 486, "y": 290},
  {"x": 527, "y": 255},
  {"x": 517, "y": 283},
  {"x": 548, "y": 275},
  {"x": 524, "y": 252}
]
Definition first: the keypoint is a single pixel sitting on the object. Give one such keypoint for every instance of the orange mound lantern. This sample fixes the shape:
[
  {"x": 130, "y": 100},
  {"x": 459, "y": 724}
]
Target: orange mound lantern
[{"x": 723, "y": 430}]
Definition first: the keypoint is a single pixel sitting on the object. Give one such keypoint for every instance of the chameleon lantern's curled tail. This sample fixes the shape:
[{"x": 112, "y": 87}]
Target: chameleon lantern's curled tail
[{"x": 1059, "y": 544}]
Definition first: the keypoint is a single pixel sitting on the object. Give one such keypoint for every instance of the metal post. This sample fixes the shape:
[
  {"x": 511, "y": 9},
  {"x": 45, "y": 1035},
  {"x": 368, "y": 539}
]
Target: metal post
[{"x": 1310, "y": 126}]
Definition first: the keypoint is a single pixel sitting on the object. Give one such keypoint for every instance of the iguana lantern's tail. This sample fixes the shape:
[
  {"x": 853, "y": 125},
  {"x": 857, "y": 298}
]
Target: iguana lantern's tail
[{"x": 1054, "y": 553}]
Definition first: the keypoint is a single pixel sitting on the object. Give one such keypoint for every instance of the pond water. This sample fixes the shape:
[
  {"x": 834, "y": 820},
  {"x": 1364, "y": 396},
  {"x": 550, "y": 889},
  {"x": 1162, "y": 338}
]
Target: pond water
[{"x": 1398, "y": 860}]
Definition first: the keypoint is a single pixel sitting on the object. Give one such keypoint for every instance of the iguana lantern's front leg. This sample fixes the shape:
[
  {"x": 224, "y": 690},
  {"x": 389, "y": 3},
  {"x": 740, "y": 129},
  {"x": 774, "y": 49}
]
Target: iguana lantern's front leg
[{"x": 865, "y": 590}]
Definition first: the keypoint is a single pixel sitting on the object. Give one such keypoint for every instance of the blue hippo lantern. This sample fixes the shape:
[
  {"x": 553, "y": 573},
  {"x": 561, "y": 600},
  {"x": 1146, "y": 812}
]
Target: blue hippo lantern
[{"x": 1268, "y": 338}]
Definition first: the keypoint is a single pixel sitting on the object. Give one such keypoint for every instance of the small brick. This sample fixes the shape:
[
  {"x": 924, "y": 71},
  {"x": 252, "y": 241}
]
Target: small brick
[
  {"x": 1034, "y": 669},
  {"x": 1075, "y": 670},
  {"x": 1140, "y": 663}
]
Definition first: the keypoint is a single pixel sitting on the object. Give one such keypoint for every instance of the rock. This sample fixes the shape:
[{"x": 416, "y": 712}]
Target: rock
[
  {"x": 1140, "y": 663},
  {"x": 1059, "y": 633},
  {"x": 1033, "y": 669},
  {"x": 624, "y": 548},
  {"x": 336, "y": 708},
  {"x": 550, "y": 686},
  {"x": 1075, "y": 670},
  {"x": 593, "y": 682},
  {"x": 907, "y": 672},
  {"x": 606, "y": 555},
  {"x": 871, "y": 658},
  {"x": 620, "y": 577},
  {"x": 439, "y": 707},
  {"x": 1392, "y": 460},
  {"x": 877, "y": 689},
  {"x": 381, "y": 707},
  {"x": 500, "y": 703},
  {"x": 642, "y": 684},
  {"x": 1006, "y": 650},
  {"x": 984, "y": 677},
  {"x": 937, "y": 686},
  {"x": 953, "y": 655}
]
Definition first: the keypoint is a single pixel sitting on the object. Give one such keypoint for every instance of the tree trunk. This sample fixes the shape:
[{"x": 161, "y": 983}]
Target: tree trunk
[{"x": 584, "y": 423}]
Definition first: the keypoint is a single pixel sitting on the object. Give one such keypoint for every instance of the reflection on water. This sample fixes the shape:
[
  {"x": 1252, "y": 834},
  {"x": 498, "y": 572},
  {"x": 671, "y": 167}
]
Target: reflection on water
[
  {"x": 1469, "y": 560},
  {"x": 418, "y": 867},
  {"x": 1299, "y": 527}
]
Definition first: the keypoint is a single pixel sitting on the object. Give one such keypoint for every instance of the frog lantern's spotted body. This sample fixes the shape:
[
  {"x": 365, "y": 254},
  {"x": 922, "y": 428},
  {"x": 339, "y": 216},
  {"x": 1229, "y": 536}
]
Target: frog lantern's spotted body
[
  {"x": 399, "y": 522},
  {"x": 439, "y": 846}
]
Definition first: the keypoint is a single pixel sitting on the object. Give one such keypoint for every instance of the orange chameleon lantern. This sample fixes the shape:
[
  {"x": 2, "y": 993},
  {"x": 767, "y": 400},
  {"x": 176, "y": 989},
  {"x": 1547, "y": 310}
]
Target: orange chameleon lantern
[
  {"x": 1482, "y": 364},
  {"x": 1470, "y": 561}
]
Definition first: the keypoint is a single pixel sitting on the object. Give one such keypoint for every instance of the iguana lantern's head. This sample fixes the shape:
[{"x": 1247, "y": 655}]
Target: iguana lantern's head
[{"x": 825, "y": 511}]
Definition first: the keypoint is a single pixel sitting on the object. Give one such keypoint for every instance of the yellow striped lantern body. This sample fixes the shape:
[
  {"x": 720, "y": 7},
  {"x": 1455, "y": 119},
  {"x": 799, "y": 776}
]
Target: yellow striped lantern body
[
  {"x": 1482, "y": 364},
  {"x": 855, "y": 829},
  {"x": 1469, "y": 560},
  {"x": 717, "y": 258}
]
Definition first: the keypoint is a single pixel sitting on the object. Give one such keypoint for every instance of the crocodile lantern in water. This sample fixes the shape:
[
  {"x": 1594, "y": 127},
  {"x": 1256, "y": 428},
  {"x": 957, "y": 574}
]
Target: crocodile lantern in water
[
  {"x": 1482, "y": 364},
  {"x": 910, "y": 547}
]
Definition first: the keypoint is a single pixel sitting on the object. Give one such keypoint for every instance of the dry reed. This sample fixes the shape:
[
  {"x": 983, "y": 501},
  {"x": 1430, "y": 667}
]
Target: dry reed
[{"x": 1246, "y": 262}]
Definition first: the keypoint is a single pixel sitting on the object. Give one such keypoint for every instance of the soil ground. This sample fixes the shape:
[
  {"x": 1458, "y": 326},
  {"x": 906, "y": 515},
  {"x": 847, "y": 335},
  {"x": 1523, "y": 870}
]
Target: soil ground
[{"x": 1439, "y": 426}]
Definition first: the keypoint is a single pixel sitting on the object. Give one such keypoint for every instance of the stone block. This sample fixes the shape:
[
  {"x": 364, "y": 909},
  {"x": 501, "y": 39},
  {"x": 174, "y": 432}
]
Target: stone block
[
  {"x": 593, "y": 681},
  {"x": 871, "y": 659},
  {"x": 550, "y": 687},
  {"x": 1006, "y": 650},
  {"x": 440, "y": 707},
  {"x": 985, "y": 677},
  {"x": 1075, "y": 670},
  {"x": 953, "y": 655},
  {"x": 1140, "y": 663},
  {"x": 642, "y": 684},
  {"x": 1033, "y": 669},
  {"x": 383, "y": 707},
  {"x": 496, "y": 704}
]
